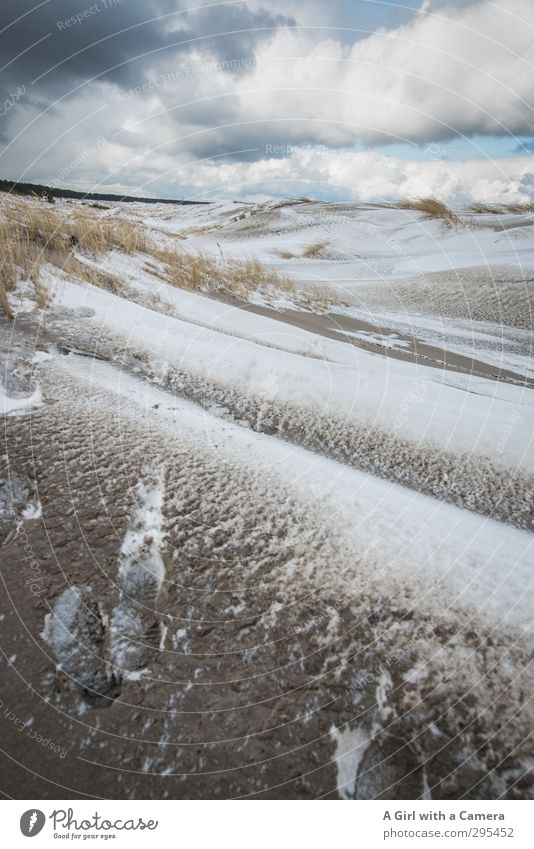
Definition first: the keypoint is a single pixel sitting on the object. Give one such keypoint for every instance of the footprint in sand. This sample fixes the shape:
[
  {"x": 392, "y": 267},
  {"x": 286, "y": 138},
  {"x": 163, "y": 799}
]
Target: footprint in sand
[{"x": 97, "y": 657}]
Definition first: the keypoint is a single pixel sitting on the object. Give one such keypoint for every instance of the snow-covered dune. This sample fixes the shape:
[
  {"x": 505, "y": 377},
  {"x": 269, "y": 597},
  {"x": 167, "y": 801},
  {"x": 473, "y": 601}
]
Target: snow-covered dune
[{"x": 283, "y": 538}]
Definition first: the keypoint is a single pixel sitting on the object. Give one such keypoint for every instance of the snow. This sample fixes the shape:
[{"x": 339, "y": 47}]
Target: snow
[
  {"x": 365, "y": 243},
  {"x": 247, "y": 467},
  {"x": 64, "y": 628},
  {"x": 496, "y": 345},
  {"x": 19, "y": 406},
  {"x": 141, "y": 573},
  {"x": 475, "y": 563},
  {"x": 144, "y": 536},
  {"x": 32, "y": 511},
  {"x": 390, "y": 340},
  {"x": 451, "y": 557},
  {"x": 41, "y": 357},
  {"x": 322, "y": 375}
]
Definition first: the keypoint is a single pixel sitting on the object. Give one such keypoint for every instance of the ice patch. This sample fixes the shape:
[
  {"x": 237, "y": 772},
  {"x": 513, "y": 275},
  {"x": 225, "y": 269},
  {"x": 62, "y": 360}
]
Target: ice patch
[
  {"x": 75, "y": 631},
  {"x": 15, "y": 406},
  {"x": 350, "y": 749},
  {"x": 390, "y": 341},
  {"x": 41, "y": 357},
  {"x": 383, "y": 685},
  {"x": 32, "y": 511}
]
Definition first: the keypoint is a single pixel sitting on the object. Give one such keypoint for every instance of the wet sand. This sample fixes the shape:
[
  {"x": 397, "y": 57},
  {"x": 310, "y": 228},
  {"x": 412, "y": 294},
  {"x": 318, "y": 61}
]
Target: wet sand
[
  {"x": 196, "y": 685},
  {"x": 407, "y": 348}
]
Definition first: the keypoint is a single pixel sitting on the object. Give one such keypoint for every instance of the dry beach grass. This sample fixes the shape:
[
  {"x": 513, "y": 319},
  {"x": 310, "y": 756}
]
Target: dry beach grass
[
  {"x": 33, "y": 235},
  {"x": 431, "y": 208}
]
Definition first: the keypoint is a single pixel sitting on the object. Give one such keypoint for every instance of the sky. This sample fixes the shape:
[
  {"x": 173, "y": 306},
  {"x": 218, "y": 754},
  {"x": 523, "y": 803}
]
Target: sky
[{"x": 354, "y": 100}]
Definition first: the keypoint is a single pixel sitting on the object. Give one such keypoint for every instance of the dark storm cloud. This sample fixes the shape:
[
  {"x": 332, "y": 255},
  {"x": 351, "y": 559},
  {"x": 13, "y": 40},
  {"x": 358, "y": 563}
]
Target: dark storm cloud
[
  {"x": 235, "y": 30},
  {"x": 164, "y": 88},
  {"x": 53, "y": 47},
  {"x": 49, "y": 49},
  {"x": 81, "y": 38}
]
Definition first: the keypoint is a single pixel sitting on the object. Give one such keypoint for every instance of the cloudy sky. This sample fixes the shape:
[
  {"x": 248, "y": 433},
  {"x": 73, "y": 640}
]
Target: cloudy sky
[{"x": 345, "y": 99}]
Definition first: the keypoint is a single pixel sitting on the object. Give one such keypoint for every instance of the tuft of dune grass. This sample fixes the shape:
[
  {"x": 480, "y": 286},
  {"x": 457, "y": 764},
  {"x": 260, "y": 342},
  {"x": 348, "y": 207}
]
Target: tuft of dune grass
[
  {"x": 33, "y": 234},
  {"x": 204, "y": 272},
  {"x": 519, "y": 207},
  {"x": 12, "y": 257},
  {"x": 314, "y": 249},
  {"x": 4, "y": 300},
  {"x": 308, "y": 253},
  {"x": 499, "y": 209},
  {"x": 249, "y": 275},
  {"x": 431, "y": 208},
  {"x": 38, "y": 224},
  {"x": 484, "y": 208}
]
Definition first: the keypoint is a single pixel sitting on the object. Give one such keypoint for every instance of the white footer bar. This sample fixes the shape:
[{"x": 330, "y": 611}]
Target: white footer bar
[{"x": 269, "y": 824}]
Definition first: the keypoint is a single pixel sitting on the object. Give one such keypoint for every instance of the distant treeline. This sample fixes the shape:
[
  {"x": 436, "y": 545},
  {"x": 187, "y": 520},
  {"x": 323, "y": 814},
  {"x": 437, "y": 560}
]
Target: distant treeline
[{"x": 51, "y": 193}]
